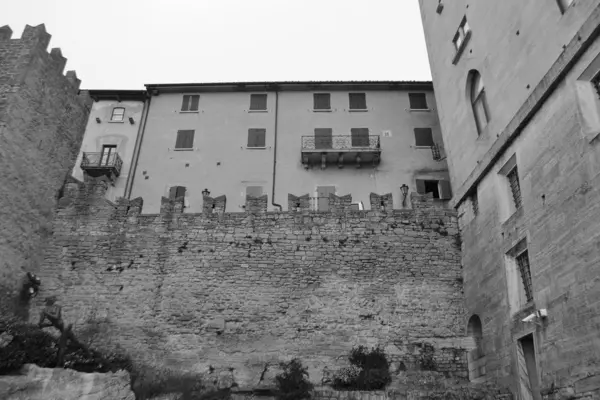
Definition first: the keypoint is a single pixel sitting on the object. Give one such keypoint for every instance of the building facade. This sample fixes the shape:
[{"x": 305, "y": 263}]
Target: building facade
[
  {"x": 517, "y": 89},
  {"x": 280, "y": 138},
  {"x": 111, "y": 136}
]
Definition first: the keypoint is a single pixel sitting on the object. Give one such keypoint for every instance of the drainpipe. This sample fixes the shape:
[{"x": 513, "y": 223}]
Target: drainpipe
[
  {"x": 136, "y": 151},
  {"x": 275, "y": 150}
]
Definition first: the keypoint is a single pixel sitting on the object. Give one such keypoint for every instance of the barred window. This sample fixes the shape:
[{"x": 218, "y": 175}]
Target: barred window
[
  {"x": 525, "y": 271},
  {"x": 513, "y": 180}
]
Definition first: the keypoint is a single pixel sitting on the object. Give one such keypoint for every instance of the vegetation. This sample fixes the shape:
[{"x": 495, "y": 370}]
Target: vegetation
[
  {"x": 293, "y": 383},
  {"x": 369, "y": 370}
]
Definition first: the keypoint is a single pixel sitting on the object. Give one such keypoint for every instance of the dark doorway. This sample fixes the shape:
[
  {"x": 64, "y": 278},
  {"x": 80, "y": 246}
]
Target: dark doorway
[{"x": 527, "y": 368}]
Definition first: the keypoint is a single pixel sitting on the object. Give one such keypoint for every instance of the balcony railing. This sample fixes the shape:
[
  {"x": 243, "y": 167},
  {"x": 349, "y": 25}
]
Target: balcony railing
[
  {"x": 103, "y": 163},
  {"x": 341, "y": 143}
]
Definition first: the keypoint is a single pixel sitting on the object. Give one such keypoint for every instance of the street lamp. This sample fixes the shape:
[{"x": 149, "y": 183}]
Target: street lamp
[
  {"x": 404, "y": 190},
  {"x": 205, "y": 193}
]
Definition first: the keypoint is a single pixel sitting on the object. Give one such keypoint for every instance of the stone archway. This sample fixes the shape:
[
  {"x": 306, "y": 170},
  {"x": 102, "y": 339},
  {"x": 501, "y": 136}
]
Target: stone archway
[{"x": 476, "y": 356}]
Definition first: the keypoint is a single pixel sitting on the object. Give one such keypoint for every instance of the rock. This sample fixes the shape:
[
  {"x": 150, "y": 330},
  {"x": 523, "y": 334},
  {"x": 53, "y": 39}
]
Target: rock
[
  {"x": 5, "y": 339},
  {"x": 37, "y": 383}
]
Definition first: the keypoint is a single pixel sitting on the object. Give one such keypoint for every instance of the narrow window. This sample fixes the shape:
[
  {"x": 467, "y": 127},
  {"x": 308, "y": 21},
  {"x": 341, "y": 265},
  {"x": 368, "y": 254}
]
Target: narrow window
[
  {"x": 358, "y": 101},
  {"x": 118, "y": 114},
  {"x": 525, "y": 272},
  {"x": 518, "y": 277},
  {"x": 418, "y": 101},
  {"x": 258, "y": 102},
  {"x": 423, "y": 137},
  {"x": 462, "y": 35},
  {"x": 185, "y": 139},
  {"x": 515, "y": 188},
  {"x": 564, "y": 4},
  {"x": 322, "y": 101},
  {"x": 256, "y": 137},
  {"x": 176, "y": 192},
  {"x": 479, "y": 102},
  {"x": 360, "y": 137},
  {"x": 323, "y": 138},
  {"x": 190, "y": 102},
  {"x": 476, "y": 356},
  {"x": 254, "y": 191},
  {"x": 475, "y": 203}
]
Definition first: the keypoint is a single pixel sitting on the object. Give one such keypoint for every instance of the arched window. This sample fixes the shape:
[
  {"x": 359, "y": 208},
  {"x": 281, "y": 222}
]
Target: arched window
[
  {"x": 476, "y": 357},
  {"x": 478, "y": 101}
]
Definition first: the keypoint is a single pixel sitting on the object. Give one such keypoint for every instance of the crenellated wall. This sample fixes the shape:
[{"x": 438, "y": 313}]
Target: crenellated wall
[
  {"x": 42, "y": 119},
  {"x": 240, "y": 290}
]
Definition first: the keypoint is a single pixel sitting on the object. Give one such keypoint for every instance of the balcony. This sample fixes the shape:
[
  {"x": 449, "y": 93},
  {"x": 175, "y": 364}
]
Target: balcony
[
  {"x": 341, "y": 150},
  {"x": 102, "y": 164}
]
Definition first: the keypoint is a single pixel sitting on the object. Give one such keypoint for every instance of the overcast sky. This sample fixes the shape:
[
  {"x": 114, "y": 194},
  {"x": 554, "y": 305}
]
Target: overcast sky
[{"x": 127, "y": 43}]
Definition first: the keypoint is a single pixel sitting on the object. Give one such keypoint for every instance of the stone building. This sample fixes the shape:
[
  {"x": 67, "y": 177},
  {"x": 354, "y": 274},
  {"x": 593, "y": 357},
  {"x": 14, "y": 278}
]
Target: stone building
[
  {"x": 305, "y": 138},
  {"x": 516, "y": 83},
  {"x": 42, "y": 119}
]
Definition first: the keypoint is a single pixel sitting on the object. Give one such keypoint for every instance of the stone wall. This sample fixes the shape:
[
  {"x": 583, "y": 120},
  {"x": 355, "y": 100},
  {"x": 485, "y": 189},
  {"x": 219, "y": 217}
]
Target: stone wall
[
  {"x": 42, "y": 120},
  {"x": 247, "y": 290}
]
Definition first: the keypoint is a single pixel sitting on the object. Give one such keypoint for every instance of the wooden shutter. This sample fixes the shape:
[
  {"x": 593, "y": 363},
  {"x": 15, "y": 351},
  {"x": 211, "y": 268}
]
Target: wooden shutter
[
  {"x": 180, "y": 192},
  {"x": 185, "y": 103},
  {"x": 423, "y": 137},
  {"x": 323, "y": 197},
  {"x": 322, "y": 101},
  {"x": 172, "y": 192},
  {"x": 258, "y": 101},
  {"x": 445, "y": 190},
  {"x": 256, "y": 137},
  {"x": 185, "y": 139},
  {"x": 420, "y": 186},
  {"x": 360, "y": 137},
  {"x": 195, "y": 101},
  {"x": 418, "y": 101},
  {"x": 323, "y": 138},
  {"x": 358, "y": 101}
]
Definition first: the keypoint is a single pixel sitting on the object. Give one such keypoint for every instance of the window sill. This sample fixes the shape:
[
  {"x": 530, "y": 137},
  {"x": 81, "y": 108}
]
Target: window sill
[
  {"x": 423, "y": 147},
  {"x": 189, "y": 112},
  {"x": 258, "y": 111},
  {"x": 420, "y": 110},
  {"x": 256, "y": 148},
  {"x": 190, "y": 149},
  {"x": 461, "y": 49},
  {"x": 358, "y": 109},
  {"x": 116, "y": 122},
  {"x": 329, "y": 110}
]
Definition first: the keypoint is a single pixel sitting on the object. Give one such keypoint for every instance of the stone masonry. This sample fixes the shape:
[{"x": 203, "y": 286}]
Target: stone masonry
[
  {"x": 42, "y": 119},
  {"x": 246, "y": 290}
]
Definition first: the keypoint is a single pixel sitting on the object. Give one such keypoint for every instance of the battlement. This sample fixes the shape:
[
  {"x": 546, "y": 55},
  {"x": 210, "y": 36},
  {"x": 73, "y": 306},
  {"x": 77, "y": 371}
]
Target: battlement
[{"x": 35, "y": 39}]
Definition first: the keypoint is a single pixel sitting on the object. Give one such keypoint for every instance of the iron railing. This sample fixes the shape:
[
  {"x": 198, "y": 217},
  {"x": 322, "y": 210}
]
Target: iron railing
[
  {"x": 341, "y": 142},
  {"x": 102, "y": 160}
]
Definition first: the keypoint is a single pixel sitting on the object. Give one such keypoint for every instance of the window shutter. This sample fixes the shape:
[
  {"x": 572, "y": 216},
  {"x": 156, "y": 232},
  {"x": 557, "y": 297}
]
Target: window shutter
[
  {"x": 446, "y": 191},
  {"x": 185, "y": 139},
  {"x": 195, "y": 100},
  {"x": 256, "y": 137},
  {"x": 180, "y": 191},
  {"x": 360, "y": 137},
  {"x": 358, "y": 101},
  {"x": 322, "y": 101},
  {"x": 172, "y": 192},
  {"x": 420, "y": 186},
  {"x": 423, "y": 137},
  {"x": 323, "y": 138},
  {"x": 254, "y": 191},
  {"x": 258, "y": 102},
  {"x": 418, "y": 101},
  {"x": 185, "y": 103}
]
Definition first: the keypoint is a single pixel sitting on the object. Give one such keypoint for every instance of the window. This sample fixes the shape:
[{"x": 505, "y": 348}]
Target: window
[
  {"x": 360, "y": 137},
  {"x": 476, "y": 356},
  {"x": 190, "y": 102},
  {"x": 323, "y": 138},
  {"x": 418, "y": 101},
  {"x": 461, "y": 38},
  {"x": 358, "y": 101},
  {"x": 515, "y": 188},
  {"x": 475, "y": 203},
  {"x": 322, "y": 101},
  {"x": 564, "y": 4},
  {"x": 185, "y": 140},
  {"x": 323, "y": 197},
  {"x": 439, "y": 188},
  {"x": 254, "y": 191},
  {"x": 176, "y": 192},
  {"x": 118, "y": 114},
  {"x": 518, "y": 277},
  {"x": 108, "y": 154},
  {"x": 256, "y": 137},
  {"x": 258, "y": 102},
  {"x": 423, "y": 137},
  {"x": 479, "y": 101},
  {"x": 525, "y": 272}
]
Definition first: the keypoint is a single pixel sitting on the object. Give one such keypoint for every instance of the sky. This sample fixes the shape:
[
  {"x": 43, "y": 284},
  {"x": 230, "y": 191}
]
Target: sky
[{"x": 124, "y": 44}]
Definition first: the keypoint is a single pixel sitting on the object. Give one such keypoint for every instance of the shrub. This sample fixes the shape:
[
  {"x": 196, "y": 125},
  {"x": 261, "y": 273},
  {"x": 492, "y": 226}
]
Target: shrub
[
  {"x": 293, "y": 384},
  {"x": 369, "y": 370}
]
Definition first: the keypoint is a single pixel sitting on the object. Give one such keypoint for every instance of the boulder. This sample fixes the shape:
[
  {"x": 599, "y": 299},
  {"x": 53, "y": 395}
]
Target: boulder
[{"x": 35, "y": 383}]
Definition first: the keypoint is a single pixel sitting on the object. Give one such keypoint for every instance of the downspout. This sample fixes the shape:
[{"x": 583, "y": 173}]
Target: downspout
[
  {"x": 136, "y": 151},
  {"x": 275, "y": 150}
]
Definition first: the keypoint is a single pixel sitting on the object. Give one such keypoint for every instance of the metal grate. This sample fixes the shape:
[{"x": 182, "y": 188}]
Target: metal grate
[
  {"x": 513, "y": 180},
  {"x": 523, "y": 263}
]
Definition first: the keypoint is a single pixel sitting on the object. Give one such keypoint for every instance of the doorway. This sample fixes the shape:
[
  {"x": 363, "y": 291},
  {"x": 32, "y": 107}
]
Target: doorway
[
  {"x": 527, "y": 369},
  {"x": 108, "y": 152}
]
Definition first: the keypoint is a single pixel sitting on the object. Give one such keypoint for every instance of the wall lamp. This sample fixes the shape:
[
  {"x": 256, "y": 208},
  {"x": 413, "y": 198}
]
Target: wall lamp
[
  {"x": 206, "y": 193},
  {"x": 404, "y": 190}
]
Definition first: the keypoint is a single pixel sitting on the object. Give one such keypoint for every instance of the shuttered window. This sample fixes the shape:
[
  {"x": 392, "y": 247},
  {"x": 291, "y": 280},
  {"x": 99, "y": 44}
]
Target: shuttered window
[
  {"x": 418, "y": 101},
  {"x": 440, "y": 188},
  {"x": 258, "y": 102},
  {"x": 254, "y": 191},
  {"x": 190, "y": 102},
  {"x": 118, "y": 114},
  {"x": 423, "y": 137},
  {"x": 515, "y": 188},
  {"x": 360, "y": 137},
  {"x": 358, "y": 101},
  {"x": 525, "y": 272},
  {"x": 176, "y": 191},
  {"x": 322, "y": 101},
  {"x": 256, "y": 137},
  {"x": 185, "y": 139},
  {"x": 323, "y": 138}
]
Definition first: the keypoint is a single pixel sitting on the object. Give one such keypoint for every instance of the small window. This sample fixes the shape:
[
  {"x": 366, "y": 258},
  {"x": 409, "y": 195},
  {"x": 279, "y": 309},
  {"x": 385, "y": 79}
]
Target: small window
[
  {"x": 256, "y": 137},
  {"x": 439, "y": 188},
  {"x": 564, "y": 4},
  {"x": 254, "y": 191},
  {"x": 185, "y": 140},
  {"x": 479, "y": 101},
  {"x": 258, "y": 102},
  {"x": 176, "y": 191},
  {"x": 118, "y": 114},
  {"x": 360, "y": 137},
  {"x": 418, "y": 101},
  {"x": 515, "y": 188},
  {"x": 323, "y": 138},
  {"x": 358, "y": 101},
  {"x": 462, "y": 35},
  {"x": 322, "y": 101},
  {"x": 190, "y": 102},
  {"x": 423, "y": 137}
]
